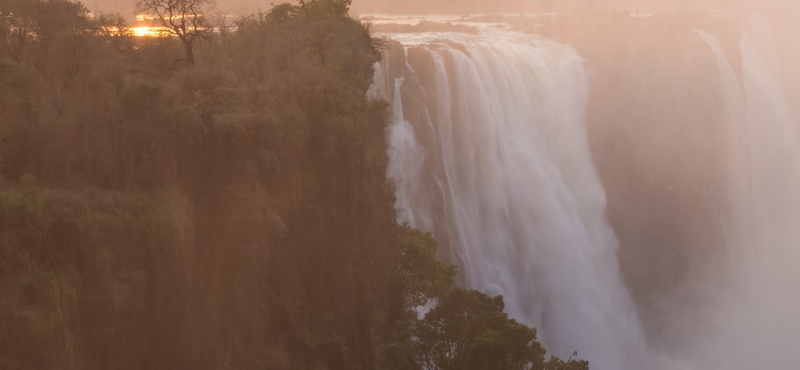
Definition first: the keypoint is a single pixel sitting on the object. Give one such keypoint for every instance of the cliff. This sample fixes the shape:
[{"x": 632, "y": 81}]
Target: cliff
[{"x": 234, "y": 215}]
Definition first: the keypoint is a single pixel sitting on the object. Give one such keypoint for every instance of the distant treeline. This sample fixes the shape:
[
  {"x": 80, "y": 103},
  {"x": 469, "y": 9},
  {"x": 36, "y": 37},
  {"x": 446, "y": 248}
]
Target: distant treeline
[{"x": 231, "y": 213}]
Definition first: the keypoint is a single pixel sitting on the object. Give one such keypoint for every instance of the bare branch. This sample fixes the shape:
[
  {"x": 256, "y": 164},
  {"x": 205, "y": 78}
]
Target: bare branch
[{"x": 184, "y": 19}]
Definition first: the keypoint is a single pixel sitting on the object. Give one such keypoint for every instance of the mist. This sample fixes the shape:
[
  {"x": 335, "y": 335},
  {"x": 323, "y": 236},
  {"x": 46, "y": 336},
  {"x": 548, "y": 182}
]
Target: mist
[
  {"x": 244, "y": 7},
  {"x": 692, "y": 124},
  {"x": 401, "y": 185}
]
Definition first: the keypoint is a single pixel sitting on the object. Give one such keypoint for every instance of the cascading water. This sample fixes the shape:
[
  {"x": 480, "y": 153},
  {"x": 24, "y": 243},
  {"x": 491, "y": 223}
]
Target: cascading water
[
  {"x": 489, "y": 151},
  {"x": 756, "y": 324}
]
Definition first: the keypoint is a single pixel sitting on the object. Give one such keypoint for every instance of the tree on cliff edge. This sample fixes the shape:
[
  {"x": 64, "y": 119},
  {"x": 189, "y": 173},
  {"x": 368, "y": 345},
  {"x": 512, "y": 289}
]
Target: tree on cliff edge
[
  {"x": 462, "y": 329},
  {"x": 182, "y": 18}
]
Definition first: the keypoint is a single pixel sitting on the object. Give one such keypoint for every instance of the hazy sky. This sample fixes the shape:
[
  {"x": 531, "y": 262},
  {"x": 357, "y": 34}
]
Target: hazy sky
[{"x": 125, "y": 7}]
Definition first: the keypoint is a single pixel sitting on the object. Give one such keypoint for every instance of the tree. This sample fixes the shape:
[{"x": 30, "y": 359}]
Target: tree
[
  {"x": 183, "y": 19},
  {"x": 325, "y": 8},
  {"x": 468, "y": 330},
  {"x": 114, "y": 28},
  {"x": 463, "y": 330},
  {"x": 5, "y": 29},
  {"x": 421, "y": 275},
  {"x": 43, "y": 23},
  {"x": 14, "y": 26},
  {"x": 322, "y": 17},
  {"x": 86, "y": 288},
  {"x": 50, "y": 20}
]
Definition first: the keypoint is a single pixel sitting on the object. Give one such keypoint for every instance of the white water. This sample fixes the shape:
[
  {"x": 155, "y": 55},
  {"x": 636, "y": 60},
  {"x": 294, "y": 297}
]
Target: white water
[
  {"x": 489, "y": 151},
  {"x": 756, "y": 325}
]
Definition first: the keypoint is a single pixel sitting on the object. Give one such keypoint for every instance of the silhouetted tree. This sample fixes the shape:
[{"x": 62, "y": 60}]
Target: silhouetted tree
[
  {"x": 49, "y": 20},
  {"x": 321, "y": 17},
  {"x": 184, "y": 19},
  {"x": 14, "y": 26},
  {"x": 115, "y": 29}
]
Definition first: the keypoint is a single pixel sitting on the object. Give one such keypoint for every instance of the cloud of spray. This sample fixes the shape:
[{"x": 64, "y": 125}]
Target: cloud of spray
[
  {"x": 756, "y": 324},
  {"x": 731, "y": 306},
  {"x": 750, "y": 309}
]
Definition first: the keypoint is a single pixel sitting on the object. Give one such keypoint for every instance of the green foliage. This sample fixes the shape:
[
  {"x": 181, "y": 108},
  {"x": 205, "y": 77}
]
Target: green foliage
[
  {"x": 325, "y": 8},
  {"x": 469, "y": 330},
  {"x": 231, "y": 215},
  {"x": 463, "y": 329},
  {"x": 280, "y": 13},
  {"x": 72, "y": 263},
  {"x": 5, "y": 32},
  {"x": 28, "y": 181},
  {"x": 50, "y": 20},
  {"x": 422, "y": 276},
  {"x": 17, "y": 86}
]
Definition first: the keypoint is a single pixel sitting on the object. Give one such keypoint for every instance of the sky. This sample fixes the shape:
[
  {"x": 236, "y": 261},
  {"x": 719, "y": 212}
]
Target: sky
[{"x": 242, "y": 7}]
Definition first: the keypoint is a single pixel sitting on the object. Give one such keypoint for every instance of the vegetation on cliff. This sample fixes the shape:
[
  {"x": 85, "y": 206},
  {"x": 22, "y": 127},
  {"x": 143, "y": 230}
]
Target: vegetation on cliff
[
  {"x": 234, "y": 214},
  {"x": 433, "y": 326},
  {"x": 229, "y": 213}
]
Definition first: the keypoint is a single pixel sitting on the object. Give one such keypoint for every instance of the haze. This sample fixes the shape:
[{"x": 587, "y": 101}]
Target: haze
[
  {"x": 400, "y": 185},
  {"x": 243, "y": 7}
]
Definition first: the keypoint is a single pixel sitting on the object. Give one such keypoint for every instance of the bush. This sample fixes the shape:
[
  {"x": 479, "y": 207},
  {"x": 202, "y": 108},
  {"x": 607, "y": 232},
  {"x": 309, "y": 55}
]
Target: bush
[{"x": 462, "y": 329}]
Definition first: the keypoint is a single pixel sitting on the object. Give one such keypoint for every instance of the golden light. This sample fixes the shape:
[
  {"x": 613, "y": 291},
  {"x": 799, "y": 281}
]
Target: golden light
[
  {"x": 150, "y": 31},
  {"x": 147, "y": 27}
]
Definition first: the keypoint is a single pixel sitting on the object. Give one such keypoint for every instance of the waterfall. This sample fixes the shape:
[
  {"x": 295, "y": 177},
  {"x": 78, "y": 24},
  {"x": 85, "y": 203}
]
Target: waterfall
[
  {"x": 489, "y": 152},
  {"x": 756, "y": 324}
]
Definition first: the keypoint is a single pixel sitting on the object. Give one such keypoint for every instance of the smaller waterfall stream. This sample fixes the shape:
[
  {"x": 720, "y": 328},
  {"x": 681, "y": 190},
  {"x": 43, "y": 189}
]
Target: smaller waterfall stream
[{"x": 756, "y": 324}]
